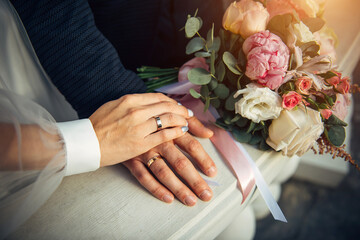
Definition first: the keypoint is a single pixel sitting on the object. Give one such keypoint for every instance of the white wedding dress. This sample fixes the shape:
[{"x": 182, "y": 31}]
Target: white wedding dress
[{"x": 27, "y": 98}]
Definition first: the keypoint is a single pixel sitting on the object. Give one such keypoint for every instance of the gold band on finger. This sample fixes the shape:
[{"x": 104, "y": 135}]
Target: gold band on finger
[
  {"x": 152, "y": 160},
  {"x": 158, "y": 122}
]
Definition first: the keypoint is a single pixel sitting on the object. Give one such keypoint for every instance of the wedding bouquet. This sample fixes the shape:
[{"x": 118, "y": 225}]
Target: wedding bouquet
[{"x": 270, "y": 76}]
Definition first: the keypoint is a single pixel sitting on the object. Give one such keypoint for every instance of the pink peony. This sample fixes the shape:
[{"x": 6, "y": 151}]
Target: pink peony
[
  {"x": 340, "y": 108},
  {"x": 303, "y": 84},
  {"x": 290, "y": 100},
  {"x": 326, "y": 113},
  {"x": 267, "y": 57},
  {"x": 197, "y": 62}
]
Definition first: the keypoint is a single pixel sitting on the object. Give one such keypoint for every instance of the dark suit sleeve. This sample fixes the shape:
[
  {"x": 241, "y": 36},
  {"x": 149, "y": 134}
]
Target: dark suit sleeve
[{"x": 80, "y": 61}]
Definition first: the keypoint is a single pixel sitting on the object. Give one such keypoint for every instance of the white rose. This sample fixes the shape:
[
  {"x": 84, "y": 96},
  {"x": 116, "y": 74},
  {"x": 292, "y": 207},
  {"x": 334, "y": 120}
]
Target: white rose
[
  {"x": 295, "y": 131},
  {"x": 302, "y": 33},
  {"x": 258, "y": 103}
]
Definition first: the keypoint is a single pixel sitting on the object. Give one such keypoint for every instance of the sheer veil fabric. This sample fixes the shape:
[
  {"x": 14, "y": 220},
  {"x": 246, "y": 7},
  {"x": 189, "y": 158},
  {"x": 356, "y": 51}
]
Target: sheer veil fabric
[{"x": 32, "y": 152}]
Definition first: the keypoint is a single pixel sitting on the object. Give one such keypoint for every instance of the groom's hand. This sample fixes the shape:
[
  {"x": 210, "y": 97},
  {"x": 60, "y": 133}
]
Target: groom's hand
[{"x": 166, "y": 184}]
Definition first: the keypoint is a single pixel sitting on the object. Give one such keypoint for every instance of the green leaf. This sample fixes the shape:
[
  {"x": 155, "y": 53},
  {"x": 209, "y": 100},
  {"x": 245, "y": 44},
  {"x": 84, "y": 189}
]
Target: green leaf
[
  {"x": 335, "y": 121},
  {"x": 213, "y": 84},
  {"x": 314, "y": 24},
  {"x": 199, "y": 76},
  {"x": 256, "y": 139},
  {"x": 220, "y": 71},
  {"x": 212, "y": 63},
  {"x": 327, "y": 75},
  {"x": 236, "y": 118},
  {"x": 215, "y": 103},
  {"x": 222, "y": 91},
  {"x": 251, "y": 127},
  {"x": 336, "y": 135},
  {"x": 242, "y": 122},
  {"x": 194, "y": 93},
  {"x": 264, "y": 146},
  {"x": 230, "y": 102},
  {"x": 233, "y": 40},
  {"x": 214, "y": 45},
  {"x": 219, "y": 123},
  {"x": 231, "y": 63},
  {"x": 204, "y": 91},
  {"x": 207, "y": 103},
  {"x": 202, "y": 54},
  {"x": 192, "y": 26},
  {"x": 241, "y": 136},
  {"x": 194, "y": 45}
]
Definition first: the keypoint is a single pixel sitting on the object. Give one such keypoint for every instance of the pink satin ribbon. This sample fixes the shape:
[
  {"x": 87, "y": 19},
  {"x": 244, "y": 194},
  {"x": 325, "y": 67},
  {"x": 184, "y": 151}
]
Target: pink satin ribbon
[{"x": 225, "y": 145}]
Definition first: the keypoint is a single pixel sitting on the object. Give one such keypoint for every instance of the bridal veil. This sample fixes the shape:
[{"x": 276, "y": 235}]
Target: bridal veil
[{"x": 32, "y": 153}]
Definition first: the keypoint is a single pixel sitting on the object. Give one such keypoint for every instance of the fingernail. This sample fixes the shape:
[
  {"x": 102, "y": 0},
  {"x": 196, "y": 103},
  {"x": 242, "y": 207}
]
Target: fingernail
[
  {"x": 211, "y": 171},
  {"x": 206, "y": 195},
  {"x": 167, "y": 198},
  {"x": 184, "y": 129},
  {"x": 190, "y": 200},
  {"x": 191, "y": 114},
  {"x": 187, "y": 124},
  {"x": 179, "y": 104}
]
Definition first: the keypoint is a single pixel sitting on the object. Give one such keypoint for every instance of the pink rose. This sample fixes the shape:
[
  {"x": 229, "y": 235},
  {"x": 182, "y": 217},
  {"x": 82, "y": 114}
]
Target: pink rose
[
  {"x": 290, "y": 100},
  {"x": 340, "y": 108},
  {"x": 245, "y": 18},
  {"x": 303, "y": 84},
  {"x": 344, "y": 85},
  {"x": 326, "y": 113},
  {"x": 197, "y": 62},
  {"x": 334, "y": 81},
  {"x": 267, "y": 59}
]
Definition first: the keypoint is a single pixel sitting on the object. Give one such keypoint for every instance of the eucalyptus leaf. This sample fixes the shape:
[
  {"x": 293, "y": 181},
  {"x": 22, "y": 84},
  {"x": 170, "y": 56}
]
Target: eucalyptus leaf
[
  {"x": 222, "y": 91},
  {"x": 242, "y": 122},
  {"x": 251, "y": 127},
  {"x": 213, "y": 84},
  {"x": 219, "y": 123},
  {"x": 264, "y": 146},
  {"x": 231, "y": 63},
  {"x": 220, "y": 71},
  {"x": 192, "y": 26},
  {"x": 199, "y": 76},
  {"x": 256, "y": 139},
  {"x": 194, "y": 93},
  {"x": 334, "y": 120},
  {"x": 202, "y": 54},
  {"x": 214, "y": 45},
  {"x": 194, "y": 45},
  {"x": 204, "y": 91},
  {"x": 236, "y": 118},
  {"x": 215, "y": 103},
  {"x": 230, "y": 102},
  {"x": 336, "y": 135},
  {"x": 241, "y": 136}
]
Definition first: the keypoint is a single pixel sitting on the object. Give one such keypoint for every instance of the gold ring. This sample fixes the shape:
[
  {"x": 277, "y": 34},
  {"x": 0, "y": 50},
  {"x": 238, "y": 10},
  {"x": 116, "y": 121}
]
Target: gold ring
[
  {"x": 158, "y": 122},
  {"x": 152, "y": 160}
]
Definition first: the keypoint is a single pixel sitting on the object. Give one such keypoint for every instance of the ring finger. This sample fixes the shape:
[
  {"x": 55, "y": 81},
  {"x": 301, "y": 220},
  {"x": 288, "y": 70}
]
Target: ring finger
[
  {"x": 166, "y": 120},
  {"x": 164, "y": 174}
]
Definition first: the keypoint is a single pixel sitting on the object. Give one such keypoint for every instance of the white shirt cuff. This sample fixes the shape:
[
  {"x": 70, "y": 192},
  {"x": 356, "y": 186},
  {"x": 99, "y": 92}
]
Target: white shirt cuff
[{"x": 82, "y": 146}]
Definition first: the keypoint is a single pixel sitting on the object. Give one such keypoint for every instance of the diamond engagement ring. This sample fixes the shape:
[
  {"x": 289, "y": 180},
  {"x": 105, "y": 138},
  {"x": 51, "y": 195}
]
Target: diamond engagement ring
[
  {"x": 152, "y": 160},
  {"x": 158, "y": 122}
]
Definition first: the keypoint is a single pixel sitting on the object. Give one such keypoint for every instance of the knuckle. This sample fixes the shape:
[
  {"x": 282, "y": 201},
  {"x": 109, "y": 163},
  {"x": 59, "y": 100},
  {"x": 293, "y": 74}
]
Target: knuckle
[
  {"x": 141, "y": 176},
  {"x": 157, "y": 191},
  {"x": 198, "y": 184},
  {"x": 194, "y": 145},
  {"x": 161, "y": 172},
  {"x": 126, "y": 99},
  {"x": 171, "y": 118},
  {"x": 181, "y": 192},
  {"x": 160, "y": 96},
  {"x": 180, "y": 164},
  {"x": 165, "y": 135}
]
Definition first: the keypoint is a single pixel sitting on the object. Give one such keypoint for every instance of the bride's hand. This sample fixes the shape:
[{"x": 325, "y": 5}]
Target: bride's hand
[
  {"x": 127, "y": 127},
  {"x": 164, "y": 183}
]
